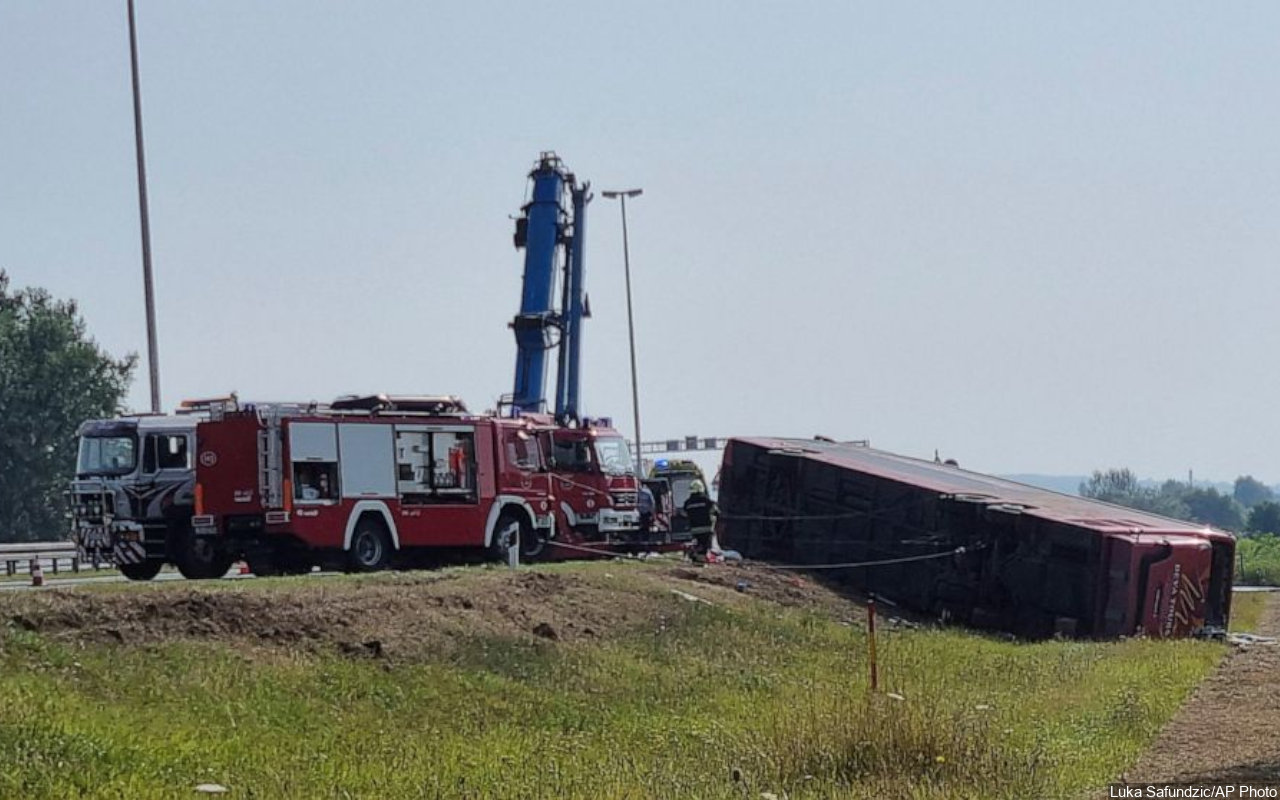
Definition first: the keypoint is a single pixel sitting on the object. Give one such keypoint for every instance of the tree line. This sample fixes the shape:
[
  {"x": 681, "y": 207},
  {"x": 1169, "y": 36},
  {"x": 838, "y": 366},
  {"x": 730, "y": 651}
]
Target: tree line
[
  {"x": 53, "y": 376},
  {"x": 1251, "y": 507}
]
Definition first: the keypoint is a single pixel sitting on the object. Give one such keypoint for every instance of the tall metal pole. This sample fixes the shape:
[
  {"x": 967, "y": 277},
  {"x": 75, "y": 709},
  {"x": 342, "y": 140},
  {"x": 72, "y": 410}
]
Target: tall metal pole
[
  {"x": 631, "y": 335},
  {"x": 153, "y": 357},
  {"x": 631, "y": 328}
]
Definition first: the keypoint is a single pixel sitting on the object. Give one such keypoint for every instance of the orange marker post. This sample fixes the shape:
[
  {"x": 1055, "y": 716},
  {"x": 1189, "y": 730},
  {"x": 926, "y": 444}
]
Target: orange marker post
[{"x": 871, "y": 641}]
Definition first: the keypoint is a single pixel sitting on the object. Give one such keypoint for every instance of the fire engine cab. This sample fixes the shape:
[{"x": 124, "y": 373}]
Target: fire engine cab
[{"x": 368, "y": 479}]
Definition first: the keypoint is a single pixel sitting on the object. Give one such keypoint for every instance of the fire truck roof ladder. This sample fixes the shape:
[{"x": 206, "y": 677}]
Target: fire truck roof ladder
[
  {"x": 214, "y": 407},
  {"x": 270, "y": 468},
  {"x": 400, "y": 404}
]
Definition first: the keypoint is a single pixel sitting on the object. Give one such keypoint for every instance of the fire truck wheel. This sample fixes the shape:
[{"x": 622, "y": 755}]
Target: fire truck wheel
[
  {"x": 370, "y": 547},
  {"x": 532, "y": 543},
  {"x": 142, "y": 572},
  {"x": 202, "y": 559},
  {"x": 511, "y": 531}
]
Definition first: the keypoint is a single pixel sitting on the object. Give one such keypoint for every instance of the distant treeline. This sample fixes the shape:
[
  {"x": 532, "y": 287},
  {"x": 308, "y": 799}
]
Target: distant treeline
[{"x": 1250, "y": 508}]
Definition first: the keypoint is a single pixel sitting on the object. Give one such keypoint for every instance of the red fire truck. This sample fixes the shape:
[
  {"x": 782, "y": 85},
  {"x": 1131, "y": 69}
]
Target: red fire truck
[{"x": 368, "y": 479}]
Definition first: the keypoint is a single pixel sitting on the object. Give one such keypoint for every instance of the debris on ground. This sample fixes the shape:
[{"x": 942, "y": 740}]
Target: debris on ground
[
  {"x": 690, "y": 597},
  {"x": 371, "y": 648},
  {"x": 1244, "y": 639}
]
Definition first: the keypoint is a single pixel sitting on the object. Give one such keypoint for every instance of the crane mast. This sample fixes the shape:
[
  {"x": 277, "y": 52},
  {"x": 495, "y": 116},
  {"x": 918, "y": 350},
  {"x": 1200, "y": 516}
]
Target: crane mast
[{"x": 551, "y": 230}]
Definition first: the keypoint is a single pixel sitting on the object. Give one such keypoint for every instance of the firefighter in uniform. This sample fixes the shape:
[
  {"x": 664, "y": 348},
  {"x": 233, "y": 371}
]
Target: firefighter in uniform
[
  {"x": 700, "y": 510},
  {"x": 645, "y": 505}
]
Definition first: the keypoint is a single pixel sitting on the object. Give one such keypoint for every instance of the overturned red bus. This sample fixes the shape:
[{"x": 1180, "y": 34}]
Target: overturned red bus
[{"x": 973, "y": 548}]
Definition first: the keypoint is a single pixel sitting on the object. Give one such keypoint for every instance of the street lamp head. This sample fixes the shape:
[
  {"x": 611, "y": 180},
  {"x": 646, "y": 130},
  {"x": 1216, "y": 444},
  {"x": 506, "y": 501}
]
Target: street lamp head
[{"x": 616, "y": 193}]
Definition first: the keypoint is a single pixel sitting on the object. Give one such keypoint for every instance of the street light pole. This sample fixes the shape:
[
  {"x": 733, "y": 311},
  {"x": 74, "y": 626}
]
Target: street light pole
[
  {"x": 153, "y": 358},
  {"x": 622, "y": 196}
]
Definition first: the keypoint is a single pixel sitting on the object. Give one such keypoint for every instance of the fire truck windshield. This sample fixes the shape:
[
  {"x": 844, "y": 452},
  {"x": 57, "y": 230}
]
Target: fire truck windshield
[
  {"x": 614, "y": 456},
  {"x": 107, "y": 455}
]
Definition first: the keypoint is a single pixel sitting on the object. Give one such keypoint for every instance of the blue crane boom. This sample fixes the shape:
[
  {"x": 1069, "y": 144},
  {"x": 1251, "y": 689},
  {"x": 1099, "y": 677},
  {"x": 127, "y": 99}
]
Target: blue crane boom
[
  {"x": 551, "y": 230},
  {"x": 569, "y": 385}
]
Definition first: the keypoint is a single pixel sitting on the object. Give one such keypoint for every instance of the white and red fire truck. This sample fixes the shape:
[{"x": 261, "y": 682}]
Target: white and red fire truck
[{"x": 368, "y": 480}]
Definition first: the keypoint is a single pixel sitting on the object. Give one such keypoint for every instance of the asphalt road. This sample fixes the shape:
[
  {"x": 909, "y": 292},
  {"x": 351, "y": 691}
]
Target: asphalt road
[
  {"x": 109, "y": 575},
  {"x": 51, "y": 582}
]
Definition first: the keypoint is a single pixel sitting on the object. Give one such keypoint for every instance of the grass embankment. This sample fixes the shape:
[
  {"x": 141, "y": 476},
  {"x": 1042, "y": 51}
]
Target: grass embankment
[
  {"x": 705, "y": 701},
  {"x": 1258, "y": 560}
]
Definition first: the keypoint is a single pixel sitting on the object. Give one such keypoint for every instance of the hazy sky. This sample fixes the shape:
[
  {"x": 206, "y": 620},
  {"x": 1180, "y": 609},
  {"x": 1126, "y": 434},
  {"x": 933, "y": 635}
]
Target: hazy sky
[{"x": 1037, "y": 237}]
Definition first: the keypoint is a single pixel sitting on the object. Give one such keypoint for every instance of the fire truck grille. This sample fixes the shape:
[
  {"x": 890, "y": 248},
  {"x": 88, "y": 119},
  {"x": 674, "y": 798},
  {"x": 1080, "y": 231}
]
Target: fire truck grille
[
  {"x": 92, "y": 507},
  {"x": 623, "y": 498}
]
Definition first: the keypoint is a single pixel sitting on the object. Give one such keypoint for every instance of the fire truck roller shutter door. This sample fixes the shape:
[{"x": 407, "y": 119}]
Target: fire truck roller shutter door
[
  {"x": 313, "y": 441},
  {"x": 501, "y": 503},
  {"x": 376, "y": 506},
  {"x": 367, "y": 454}
]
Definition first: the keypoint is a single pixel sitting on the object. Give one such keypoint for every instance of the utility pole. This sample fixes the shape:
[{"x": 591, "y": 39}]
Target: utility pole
[
  {"x": 622, "y": 196},
  {"x": 153, "y": 356}
]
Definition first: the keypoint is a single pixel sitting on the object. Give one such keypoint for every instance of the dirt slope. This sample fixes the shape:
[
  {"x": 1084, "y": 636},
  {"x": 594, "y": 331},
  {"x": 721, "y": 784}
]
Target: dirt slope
[
  {"x": 1229, "y": 731},
  {"x": 401, "y": 614}
]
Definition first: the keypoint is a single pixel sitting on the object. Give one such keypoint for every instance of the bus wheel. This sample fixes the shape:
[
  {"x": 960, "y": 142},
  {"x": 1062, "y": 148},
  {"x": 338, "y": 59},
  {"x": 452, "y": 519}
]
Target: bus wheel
[
  {"x": 143, "y": 571},
  {"x": 370, "y": 547}
]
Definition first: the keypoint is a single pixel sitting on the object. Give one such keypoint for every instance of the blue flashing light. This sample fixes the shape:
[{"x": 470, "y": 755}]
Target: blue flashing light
[{"x": 660, "y": 463}]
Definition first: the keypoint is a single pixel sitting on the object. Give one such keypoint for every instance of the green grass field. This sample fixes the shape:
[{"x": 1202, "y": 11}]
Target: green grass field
[
  {"x": 1258, "y": 560},
  {"x": 730, "y": 700}
]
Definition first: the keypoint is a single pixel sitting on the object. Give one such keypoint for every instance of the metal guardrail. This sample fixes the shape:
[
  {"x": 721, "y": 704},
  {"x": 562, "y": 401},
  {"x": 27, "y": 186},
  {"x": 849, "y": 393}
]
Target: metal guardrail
[{"x": 17, "y": 556}]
